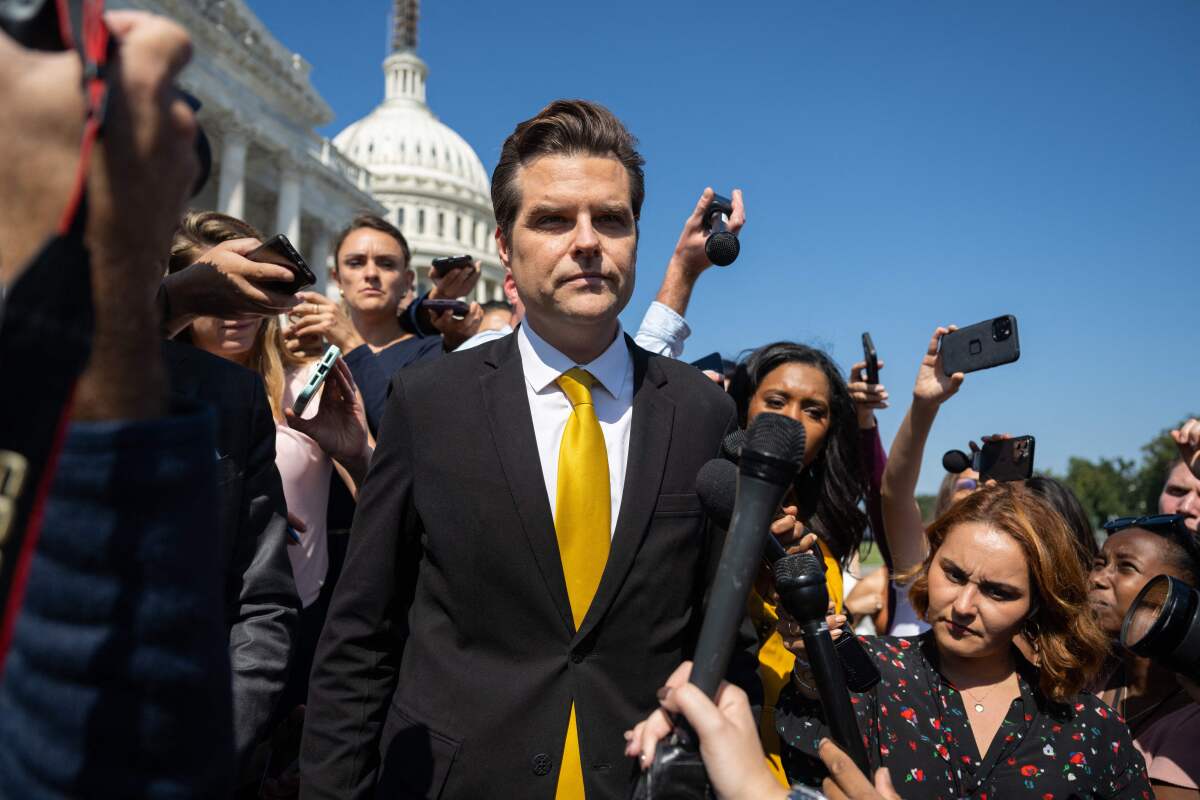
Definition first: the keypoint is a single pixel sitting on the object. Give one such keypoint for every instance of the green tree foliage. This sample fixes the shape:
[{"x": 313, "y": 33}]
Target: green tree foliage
[{"x": 1119, "y": 487}]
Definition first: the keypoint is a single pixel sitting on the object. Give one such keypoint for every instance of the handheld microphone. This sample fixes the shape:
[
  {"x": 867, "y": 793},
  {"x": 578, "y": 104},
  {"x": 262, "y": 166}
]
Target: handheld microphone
[
  {"x": 956, "y": 461},
  {"x": 722, "y": 246},
  {"x": 716, "y": 486},
  {"x": 773, "y": 453},
  {"x": 800, "y": 582}
]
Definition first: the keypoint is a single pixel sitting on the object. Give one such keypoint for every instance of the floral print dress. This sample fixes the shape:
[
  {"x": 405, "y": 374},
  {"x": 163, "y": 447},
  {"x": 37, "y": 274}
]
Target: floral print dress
[{"x": 914, "y": 723}]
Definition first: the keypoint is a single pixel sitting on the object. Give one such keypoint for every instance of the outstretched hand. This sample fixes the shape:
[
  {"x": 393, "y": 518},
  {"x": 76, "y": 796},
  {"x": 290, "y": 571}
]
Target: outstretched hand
[
  {"x": 1187, "y": 439},
  {"x": 729, "y": 744},
  {"x": 847, "y": 782},
  {"x": 340, "y": 425},
  {"x": 932, "y": 384},
  {"x": 689, "y": 253},
  {"x": 867, "y": 397}
]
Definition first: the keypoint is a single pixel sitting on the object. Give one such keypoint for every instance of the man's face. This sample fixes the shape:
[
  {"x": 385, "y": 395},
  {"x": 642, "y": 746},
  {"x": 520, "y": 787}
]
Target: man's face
[
  {"x": 1181, "y": 495},
  {"x": 573, "y": 248},
  {"x": 372, "y": 272}
]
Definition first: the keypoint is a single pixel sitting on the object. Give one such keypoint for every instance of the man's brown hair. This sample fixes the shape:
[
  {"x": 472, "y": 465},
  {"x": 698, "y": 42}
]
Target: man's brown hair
[
  {"x": 377, "y": 223},
  {"x": 565, "y": 127},
  {"x": 1069, "y": 642}
]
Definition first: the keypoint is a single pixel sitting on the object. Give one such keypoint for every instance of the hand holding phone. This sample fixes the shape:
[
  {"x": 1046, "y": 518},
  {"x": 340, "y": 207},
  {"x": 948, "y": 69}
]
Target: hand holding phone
[
  {"x": 278, "y": 250},
  {"x": 981, "y": 346},
  {"x": 457, "y": 308},
  {"x": 318, "y": 377},
  {"x": 441, "y": 266}
]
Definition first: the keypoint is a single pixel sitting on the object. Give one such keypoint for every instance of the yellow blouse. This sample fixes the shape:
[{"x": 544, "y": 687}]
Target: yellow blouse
[{"x": 775, "y": 661}]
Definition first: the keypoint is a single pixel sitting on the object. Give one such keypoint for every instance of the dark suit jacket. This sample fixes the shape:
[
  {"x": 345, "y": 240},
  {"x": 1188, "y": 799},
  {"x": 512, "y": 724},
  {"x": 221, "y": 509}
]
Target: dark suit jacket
[
  {"x": 262, "y": 608},
  {"x": 449, "y": 659}
]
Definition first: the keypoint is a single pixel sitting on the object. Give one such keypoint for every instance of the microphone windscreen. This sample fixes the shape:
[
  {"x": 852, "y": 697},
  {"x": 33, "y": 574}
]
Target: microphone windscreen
[
  {"x": 722, "y": 248},
  {"x": 732, "y": 444},
  {"x": 716, "y": 486},
  {"x": 956, "y": 461},
  {"x": 799, "y": 567},
  {"x": 778, "y": 437}
]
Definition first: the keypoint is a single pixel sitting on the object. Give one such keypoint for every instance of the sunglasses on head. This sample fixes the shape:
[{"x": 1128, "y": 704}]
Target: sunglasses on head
[
  {"x": 966, "y": 484},
  {"x": 1163, "y": 524}
]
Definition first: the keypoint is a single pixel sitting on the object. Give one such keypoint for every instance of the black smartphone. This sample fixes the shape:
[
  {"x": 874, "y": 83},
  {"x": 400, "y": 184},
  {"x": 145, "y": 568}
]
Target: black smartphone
[
  {"x": 457, "y": 308},
  {"x": 872, "y": 359},
  {"x": 1006, "y": 459},
  {"x": 278, "y": 250},
  {"x": 711, "y": 362},
  {"x": 981, "y": 346},
  {"x": 442, "y": 266}
]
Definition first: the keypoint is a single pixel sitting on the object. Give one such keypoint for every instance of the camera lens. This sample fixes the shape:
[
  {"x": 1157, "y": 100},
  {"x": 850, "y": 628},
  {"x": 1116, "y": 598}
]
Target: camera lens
[{"x": 1001, "y": 329}]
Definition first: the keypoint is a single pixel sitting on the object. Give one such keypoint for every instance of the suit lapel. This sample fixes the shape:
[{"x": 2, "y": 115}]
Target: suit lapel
[
  {"x": 649, "y": 441},
  {"x": 511, "y": 424}
]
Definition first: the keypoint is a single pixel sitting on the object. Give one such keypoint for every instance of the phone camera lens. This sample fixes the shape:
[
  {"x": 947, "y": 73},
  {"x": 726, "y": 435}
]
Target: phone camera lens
[{"x": 1001, "y": 329}]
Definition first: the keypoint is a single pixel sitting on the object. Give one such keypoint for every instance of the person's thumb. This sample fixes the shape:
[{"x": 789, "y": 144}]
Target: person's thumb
[
  {"x": 694, "y": 704},
  {"x": 883, "y": 784}
]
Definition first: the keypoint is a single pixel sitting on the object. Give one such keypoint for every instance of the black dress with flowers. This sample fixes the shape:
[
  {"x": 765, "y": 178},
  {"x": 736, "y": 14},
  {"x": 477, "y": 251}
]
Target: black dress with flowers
[{"x": 914, "y": 723}]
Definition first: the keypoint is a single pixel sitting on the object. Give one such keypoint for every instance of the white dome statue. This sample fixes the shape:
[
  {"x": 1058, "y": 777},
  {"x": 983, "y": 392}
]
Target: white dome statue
[{"x": 434, "y": 186}]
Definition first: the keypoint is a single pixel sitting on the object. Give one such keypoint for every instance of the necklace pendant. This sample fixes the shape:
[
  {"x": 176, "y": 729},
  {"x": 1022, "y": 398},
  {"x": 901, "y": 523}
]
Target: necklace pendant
[{"x": 979, "y": 708}]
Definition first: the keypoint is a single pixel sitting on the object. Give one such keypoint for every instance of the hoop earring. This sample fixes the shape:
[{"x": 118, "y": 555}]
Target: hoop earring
[{"x": 1032, "y": 632}]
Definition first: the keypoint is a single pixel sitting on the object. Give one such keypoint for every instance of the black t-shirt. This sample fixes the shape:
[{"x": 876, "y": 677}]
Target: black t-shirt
[
  {"x": 914, "y": 723},
  {"x": 373, "y": 372}
]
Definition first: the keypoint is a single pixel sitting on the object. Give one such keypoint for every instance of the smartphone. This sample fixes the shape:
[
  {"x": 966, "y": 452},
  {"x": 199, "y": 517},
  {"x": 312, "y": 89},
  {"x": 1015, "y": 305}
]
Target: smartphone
[
  {"x": 872, "y": 359},
  {"x": 278, "y": 250},
  {"x": 442, "y": 266},
  {"x": 981, "y": 346},
  {"x": 1006, "y": 459},
  {"x": 324, "y": 367},
  {"x": 711, "y": 362},
  {"x": 457, "y": 308}
]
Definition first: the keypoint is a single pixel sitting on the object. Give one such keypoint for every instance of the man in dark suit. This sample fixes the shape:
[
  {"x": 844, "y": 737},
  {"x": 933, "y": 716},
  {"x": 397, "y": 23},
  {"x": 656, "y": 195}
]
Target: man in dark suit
[
  {"x": 262, "y": 608},
  {"x": 529, "y": 557}
]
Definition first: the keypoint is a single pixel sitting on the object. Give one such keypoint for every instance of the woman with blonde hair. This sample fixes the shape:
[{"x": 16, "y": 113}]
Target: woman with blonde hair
[
  {"x": 332, "y": 431},
  {"x": 959, "y": 712}
]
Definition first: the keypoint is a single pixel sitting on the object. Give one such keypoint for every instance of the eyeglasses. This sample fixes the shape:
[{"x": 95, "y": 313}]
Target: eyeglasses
[
  {"x": 1170, "y": 525},
  {"x": 966, "y": 485}
]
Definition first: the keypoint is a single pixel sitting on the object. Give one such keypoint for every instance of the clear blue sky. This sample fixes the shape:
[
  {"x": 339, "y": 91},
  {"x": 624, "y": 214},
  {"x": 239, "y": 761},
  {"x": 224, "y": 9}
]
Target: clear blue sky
[{"x": 904, "y": 164}]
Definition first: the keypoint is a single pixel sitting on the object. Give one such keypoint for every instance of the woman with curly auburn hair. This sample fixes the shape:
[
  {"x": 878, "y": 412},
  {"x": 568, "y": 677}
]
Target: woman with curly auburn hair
[{"x": 959, "y": 712}]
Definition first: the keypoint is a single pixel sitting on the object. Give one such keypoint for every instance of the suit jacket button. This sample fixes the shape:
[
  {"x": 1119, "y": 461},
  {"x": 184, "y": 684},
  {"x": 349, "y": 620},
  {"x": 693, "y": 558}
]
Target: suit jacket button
[{"x": 542, "y": 764}]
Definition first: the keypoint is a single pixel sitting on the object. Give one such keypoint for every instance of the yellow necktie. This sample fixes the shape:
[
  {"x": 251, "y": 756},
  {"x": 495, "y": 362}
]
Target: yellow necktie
[{"x": 582, "y": 522}]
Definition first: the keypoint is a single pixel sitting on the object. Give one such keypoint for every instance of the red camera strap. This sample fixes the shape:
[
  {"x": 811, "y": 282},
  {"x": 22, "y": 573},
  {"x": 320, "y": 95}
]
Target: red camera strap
[
  {"x": 93, "y": 44},
  {"x": 86, "y": 17}
]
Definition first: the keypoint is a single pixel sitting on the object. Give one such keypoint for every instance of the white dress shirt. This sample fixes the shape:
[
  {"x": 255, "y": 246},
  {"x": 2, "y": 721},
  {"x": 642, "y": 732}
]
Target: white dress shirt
[
  {"x": 612, "y": 397},
  {"x": 662, "y": 332}
]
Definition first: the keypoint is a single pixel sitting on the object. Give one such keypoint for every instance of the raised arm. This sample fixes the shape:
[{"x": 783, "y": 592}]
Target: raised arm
[
  {"x": 664, "y": 329},
  {"x": 901, "y": 515}
]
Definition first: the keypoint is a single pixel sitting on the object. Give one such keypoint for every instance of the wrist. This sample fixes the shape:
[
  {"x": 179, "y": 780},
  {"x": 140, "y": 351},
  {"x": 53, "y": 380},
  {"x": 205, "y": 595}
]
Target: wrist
[{"x": 867, "y": 421}]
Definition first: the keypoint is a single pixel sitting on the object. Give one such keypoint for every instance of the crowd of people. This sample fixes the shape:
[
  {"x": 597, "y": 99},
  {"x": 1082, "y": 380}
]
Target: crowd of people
[{"x": 475, "y": 563}]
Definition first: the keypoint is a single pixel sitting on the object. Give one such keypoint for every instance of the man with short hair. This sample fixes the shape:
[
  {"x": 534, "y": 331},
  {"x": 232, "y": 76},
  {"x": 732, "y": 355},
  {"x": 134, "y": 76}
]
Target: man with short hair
[
  {"x": 529, "y": 556},
  {"x": 1181, "y": 492}
]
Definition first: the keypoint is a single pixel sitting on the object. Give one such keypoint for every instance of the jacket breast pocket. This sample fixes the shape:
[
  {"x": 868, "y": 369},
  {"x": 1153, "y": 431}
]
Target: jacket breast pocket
[
  {"x": 684, "y": 504},
  {"x": 415, "y": 760}
]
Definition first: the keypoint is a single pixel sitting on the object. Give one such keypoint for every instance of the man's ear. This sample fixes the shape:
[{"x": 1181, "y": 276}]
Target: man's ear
[
  {"x": 510, "y": 288},
  {"x": 502, "y": 249}
]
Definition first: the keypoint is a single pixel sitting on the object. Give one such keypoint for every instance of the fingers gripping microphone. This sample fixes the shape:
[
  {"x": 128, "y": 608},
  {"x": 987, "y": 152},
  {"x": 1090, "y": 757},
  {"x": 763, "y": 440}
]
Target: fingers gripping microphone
[
  {"x": 773, "y": 453},
  {"x": 722, "y": 246},
  {"x": 800, "y": 582}
]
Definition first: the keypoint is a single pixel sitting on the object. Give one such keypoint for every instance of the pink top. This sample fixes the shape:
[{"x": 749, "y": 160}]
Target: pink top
[
  {"x": 1171, "y": 747},
  {"x": 306, "y": 471}
]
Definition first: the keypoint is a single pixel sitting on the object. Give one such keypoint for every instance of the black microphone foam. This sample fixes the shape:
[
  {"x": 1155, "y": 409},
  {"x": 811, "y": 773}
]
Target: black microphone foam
[
  {"x": 732, "y": 444},
  {"x": 778, "y": 438},
  {"x": 722, "y": 248},
  {"x": 716, "y": 486},
  {"x": 956, "y": 461}
]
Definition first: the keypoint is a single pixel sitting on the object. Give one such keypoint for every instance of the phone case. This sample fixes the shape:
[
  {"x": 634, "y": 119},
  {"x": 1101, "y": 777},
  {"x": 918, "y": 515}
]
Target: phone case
[
  {"x": 871, "y": 358},
  {"x": 278, "y": 250},
  {"x": 1007, "y": 459},
  {"x": 440, "y": 266},
  {"x": 318, "y": 377},
  {"x": 981, "y": 346}
]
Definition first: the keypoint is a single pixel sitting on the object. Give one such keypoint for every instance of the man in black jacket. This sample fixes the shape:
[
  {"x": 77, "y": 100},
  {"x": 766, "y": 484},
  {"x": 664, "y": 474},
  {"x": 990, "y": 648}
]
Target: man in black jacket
[
  {"x": 529, "y": 557},
  {"x": 261, "y": 605}
]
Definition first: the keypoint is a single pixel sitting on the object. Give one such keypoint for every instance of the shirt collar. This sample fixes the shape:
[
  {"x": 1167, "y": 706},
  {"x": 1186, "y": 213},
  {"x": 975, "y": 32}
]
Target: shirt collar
[{"x": 542, "y": 363}]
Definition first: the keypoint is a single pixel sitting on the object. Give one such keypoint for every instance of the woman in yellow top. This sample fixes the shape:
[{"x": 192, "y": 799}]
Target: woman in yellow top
[{"x": 804, "y": 383}]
